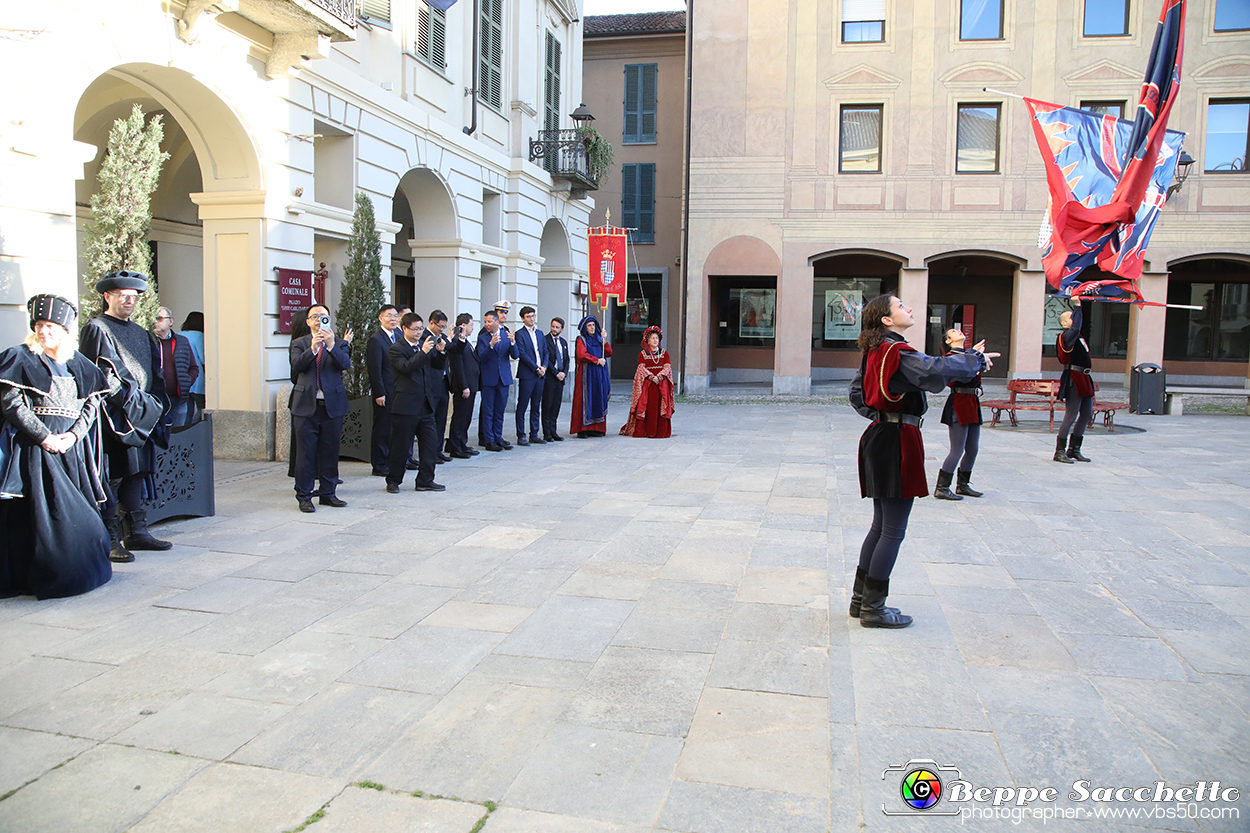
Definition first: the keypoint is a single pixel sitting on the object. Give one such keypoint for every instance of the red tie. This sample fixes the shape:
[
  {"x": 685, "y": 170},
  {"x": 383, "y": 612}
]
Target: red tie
[{"x": 320, "y": 354}]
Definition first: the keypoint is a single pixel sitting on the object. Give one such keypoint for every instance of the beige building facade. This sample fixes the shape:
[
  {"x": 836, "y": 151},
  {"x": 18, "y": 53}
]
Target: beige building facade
[
  {"x": 276, "y": 113},
  {"x": 634, "y": 81},
  {"x": 840, "y": 149}
]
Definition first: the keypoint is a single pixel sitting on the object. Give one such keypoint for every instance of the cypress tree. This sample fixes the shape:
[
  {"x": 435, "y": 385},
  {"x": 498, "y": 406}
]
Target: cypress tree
[{"x": 361, "y": 293}]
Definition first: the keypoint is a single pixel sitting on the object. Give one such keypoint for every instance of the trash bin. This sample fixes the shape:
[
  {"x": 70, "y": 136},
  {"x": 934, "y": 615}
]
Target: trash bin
[{"x": 1146, "y": 389}]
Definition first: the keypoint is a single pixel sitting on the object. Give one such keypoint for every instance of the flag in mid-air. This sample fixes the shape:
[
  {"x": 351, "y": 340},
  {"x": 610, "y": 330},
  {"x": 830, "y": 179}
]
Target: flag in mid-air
[{"x": 1108, "y": 178}]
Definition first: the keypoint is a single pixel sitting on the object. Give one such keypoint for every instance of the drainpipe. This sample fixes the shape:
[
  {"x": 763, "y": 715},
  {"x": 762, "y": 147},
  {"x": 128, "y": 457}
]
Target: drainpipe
[
  {"x": 477, "y": 26},
  {"x": 685, "y": 220}
]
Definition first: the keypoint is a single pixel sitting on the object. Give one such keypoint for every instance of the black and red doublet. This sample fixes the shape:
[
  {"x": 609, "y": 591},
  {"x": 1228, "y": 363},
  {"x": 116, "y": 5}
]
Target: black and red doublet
[
  {"x": 963, "y": 406},
  {"x": 1076, "y": 363},
  {"x": 890, "y": 390}
]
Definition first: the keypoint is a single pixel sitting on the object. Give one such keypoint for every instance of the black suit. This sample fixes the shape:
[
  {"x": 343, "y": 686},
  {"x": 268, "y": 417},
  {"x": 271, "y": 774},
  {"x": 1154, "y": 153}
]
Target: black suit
[
  {"x": 418, "y": 376},
  {"x": 318, "y": 421},
  {"x": 381, "y": 383},
  {"x": 462, "y": 361},
  {"x": 553, "y": 388}
]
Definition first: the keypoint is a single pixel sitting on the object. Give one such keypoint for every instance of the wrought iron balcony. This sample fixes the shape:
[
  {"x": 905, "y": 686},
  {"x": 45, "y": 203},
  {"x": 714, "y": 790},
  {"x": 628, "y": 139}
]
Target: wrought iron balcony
[{"x": 562, "y": 153}]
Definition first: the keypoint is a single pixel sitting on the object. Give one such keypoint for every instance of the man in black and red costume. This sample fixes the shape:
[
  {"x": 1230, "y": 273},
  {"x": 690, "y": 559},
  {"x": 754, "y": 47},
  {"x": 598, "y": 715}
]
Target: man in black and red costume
[{"x": 1076, "y": 388}]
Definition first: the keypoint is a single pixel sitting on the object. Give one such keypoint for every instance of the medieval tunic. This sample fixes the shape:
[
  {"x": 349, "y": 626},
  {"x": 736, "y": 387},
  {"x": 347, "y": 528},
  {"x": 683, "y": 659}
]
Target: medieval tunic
[
  {"x": 54, "y": 543},
  {"x": 1073, "y": 352},
  {"x": 890, "y": 390},
  {"x": 651, "y": 408},
  {"x": 963, "y": 406},
  {"x": 592, "y": 387}
]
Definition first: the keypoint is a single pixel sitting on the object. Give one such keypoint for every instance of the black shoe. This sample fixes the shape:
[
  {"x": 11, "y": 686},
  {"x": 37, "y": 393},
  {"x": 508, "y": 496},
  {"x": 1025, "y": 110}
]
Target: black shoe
[
  {"x": 964, "y": 478},
  {"x": 472, "y": 452},
  {"x": 494, "y": 447},
  {"x": 1074, "y": 450},
  {"x": 581, "y": 435},
  {"x": 873, "y": 612},
  {"x": 460, "y": 455},
  {"x": 379, "y": 472},
  {"x": 305, "y": 505},
  {"x": 392, "y": 488},
  {"x": 557, "y": 438},
  {"x": 332, "y": 500},
  {"x": 505, "y": 445},
  {"x": 431, "y": 487},
  {"x": 536, "y": 440},
  {"x": 522, "y": 441},
  {"x": 117, "y": 552},
  {"x": 443, "y": 458},
  {"x": 857, "y": 593},
  {"x": 1061, "y": 453},
  {"x": 943, "y": 489},
  {"x": 412, "y": 465},
  {"x": 139, "y": 538}
]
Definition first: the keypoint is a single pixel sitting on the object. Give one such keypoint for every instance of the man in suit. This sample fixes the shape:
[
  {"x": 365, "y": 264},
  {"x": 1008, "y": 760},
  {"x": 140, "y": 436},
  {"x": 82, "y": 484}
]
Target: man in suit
[
  {"x": 465, "y": 382},
  {"x": 382, "y": 385},
  {"x": 553, "y": 380},
  {"x": 318, "y": 405},
  {"x": 531, "y": 345},
  {"x": 417, "y": 360},
  {"x": 494, "y": 348},
  {"x": 436, "y": 328}
]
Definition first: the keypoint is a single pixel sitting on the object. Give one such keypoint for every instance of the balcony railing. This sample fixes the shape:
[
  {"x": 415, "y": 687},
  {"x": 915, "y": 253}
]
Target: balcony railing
[
  {"x": 562, "y": 153},
  {"x": 344, "y": 10}
]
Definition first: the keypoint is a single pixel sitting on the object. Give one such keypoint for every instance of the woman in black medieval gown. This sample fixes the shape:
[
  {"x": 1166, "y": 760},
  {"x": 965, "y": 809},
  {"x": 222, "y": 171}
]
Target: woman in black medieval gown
[{"x": 54, "y": 542}]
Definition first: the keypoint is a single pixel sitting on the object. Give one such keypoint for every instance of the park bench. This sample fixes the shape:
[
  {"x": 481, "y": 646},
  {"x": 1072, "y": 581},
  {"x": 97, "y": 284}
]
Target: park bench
[
  {"x": 1174, "y": 397},
  {"x": 1039, "y": 395}
]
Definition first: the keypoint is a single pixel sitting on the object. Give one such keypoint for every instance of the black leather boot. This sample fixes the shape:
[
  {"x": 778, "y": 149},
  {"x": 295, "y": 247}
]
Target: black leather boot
[
  {"x": 138, "y": 538},
  {"x": 943, "y": 489},
  {"x": 857, "y": 593},
  {"x": 1061, "y": 453},
  {"x": 117, "y": 551},
  {"x": 872, "y": 611},
  {"x": 964, "y": 478},
  {"x": 1074, "y": 449}
]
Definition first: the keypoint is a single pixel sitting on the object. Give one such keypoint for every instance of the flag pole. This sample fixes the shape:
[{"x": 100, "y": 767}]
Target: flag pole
[{"x": 1001, "y": 92}]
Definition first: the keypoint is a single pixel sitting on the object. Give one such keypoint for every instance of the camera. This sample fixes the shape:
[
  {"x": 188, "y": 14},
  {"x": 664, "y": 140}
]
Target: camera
[{"x": 325, "y": 322}]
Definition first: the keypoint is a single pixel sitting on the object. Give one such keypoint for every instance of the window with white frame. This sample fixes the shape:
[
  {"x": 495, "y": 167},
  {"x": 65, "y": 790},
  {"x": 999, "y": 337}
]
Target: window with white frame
[{"x": 863, "y": 21}]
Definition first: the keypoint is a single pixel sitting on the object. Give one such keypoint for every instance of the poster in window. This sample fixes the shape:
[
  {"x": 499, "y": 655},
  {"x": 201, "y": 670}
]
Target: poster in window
[
  {"x": 637, "y": 315},
  {"x": 842, "y": 310},
  {"x": 757, "y": 312},
  {"x": 1055, "y": 306}
]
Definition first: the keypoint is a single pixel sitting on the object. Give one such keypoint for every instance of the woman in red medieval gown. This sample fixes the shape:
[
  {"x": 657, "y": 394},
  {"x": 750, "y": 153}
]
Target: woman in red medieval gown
[{"x": 651, "y": 409}]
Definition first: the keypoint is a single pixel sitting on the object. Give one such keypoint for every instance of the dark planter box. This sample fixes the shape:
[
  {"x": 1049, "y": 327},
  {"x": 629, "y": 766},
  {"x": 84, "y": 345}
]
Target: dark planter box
[
  {"x": 357, "y": 430},
  {"x": 184, "y": 474}
]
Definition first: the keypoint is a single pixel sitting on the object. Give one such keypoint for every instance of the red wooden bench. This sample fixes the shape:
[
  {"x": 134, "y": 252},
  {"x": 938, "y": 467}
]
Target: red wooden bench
[{"x": 1039, "y": 395}]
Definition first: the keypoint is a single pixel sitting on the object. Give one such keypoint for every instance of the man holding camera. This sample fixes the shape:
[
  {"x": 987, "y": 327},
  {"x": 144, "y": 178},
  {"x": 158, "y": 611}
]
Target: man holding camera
[
  {"x": 381, "y": 386},
  {"x": 494, "y": 349},
  {"x": 318, "y": 405},
  {"x": 417, "y": 360}
]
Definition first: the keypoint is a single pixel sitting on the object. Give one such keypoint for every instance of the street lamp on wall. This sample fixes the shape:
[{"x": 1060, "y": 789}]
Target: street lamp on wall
[
  {"x": 1182, "y": 173},
  {"x": 581, "y": 116}
]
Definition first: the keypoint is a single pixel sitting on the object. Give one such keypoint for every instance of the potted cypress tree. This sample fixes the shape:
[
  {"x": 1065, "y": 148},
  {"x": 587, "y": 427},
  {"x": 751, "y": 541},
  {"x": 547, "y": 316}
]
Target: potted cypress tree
[{"x": 359, "y": 298}]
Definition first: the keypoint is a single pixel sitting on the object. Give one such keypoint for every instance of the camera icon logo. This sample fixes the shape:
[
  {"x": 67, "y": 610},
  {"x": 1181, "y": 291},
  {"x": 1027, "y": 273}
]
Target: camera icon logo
[{"x": 921, "y": 787}]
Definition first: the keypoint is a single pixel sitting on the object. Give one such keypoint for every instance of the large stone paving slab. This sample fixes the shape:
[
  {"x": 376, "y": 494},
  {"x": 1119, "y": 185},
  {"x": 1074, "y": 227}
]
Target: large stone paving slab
[{"x": 614, "y": 636}]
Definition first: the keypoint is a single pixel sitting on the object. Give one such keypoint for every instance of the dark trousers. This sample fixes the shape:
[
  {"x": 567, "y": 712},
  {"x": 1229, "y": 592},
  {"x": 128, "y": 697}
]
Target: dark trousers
[
  {"x": 889, "y": 526},
  {"x": 403, "y": 427},
  {"x": 461, "y": 416},
  {"x": 440, "y": 423},
  {"x": 380, "y": 442},
  {"x": 1079, "y": 410},
  {"x": 553, "y": 398},
  {"x": 529, "y": 396},
  {"x": 126, "y": 491},
  {"x": 494, "y": 400},
  {"x": 317, "y": 452}
]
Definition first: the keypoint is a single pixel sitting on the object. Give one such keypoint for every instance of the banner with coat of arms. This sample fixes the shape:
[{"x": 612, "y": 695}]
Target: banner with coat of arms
[{"x": 607, "y": 264}]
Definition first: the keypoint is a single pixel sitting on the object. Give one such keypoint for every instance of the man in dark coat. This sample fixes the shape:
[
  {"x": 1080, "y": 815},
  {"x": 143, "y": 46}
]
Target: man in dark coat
[
  {"x": 553, "y": 380},
  {"x": 494, "y": 348},
  {"x": 178, "y": 367},
  {"x": 417, "y": 361},
  {"x": 465, "y": 383},
  {"x": 382, "y": 385},
  {"x": 531, "y": 345},
  {"x": 318, "y": 405},
  {"x": 131, "y": 361}
]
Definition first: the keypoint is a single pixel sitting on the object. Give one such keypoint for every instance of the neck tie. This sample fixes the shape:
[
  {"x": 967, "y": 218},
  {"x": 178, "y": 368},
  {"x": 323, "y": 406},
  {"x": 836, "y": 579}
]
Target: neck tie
[{"x": 320, "y": 354}]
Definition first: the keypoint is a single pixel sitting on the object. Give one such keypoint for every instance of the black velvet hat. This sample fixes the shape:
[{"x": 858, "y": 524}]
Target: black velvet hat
[
  {"x": 122, "y": 280},
  {"x": 52, "y": 308}
]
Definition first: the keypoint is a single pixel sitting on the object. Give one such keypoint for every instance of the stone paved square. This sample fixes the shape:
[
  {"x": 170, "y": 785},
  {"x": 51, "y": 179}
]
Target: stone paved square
[{"x": 629, "y": 635}]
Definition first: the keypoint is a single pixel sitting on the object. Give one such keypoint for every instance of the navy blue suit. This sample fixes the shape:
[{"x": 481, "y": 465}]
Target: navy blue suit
[
  {"x": 496, "y": 374},
  {"x": 553, "y": 388},
  {"x": 418, "y": 379},
  {"x": 381, "y": 383},
  {"x": 529, "y": 383},
  {"x": 318, "y": 421}
]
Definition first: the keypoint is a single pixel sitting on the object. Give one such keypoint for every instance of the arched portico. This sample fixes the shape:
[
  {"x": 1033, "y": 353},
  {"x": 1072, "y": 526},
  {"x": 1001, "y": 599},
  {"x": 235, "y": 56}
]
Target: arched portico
[
  {"x": 557, "y": 281},
  {"x": 974, "y": 290},
  {"x": 424, "y": 205},
  {"x": 843, "y": 280},
  {"x": 741, "y": 277}
]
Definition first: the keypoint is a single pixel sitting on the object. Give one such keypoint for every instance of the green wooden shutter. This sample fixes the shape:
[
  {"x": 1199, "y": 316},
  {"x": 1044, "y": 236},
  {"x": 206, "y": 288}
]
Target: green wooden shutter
[
  {"x": 640, "y": 103},
  {"x": 638, "y": 201},
  {"x": 646, "y": 120},
  {"x": 378, "y": 11},
  {"x": 432, "y": 36},
  {"x": 490, "y": 58},
  {"x": 551, "y": 85}
]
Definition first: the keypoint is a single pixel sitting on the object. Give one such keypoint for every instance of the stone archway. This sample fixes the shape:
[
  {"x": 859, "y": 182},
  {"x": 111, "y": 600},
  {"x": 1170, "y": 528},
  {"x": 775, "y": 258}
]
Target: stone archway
[
  {"x": 976, "y": 289},
  {"x": 843, "y": 280},
  {"x": 424, "y": 205},
  {"x": 213, "y": 152},
  {"x": 557, "y": 280},
  {"x": 742, "y": 277}
]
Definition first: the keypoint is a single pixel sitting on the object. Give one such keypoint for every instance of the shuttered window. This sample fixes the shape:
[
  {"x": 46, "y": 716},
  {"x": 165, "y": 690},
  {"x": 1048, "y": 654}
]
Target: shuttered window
[
  {"x": 863, "y": 21},
  {"x": 432, "y": 36},
  {"x": 376, "y": 11},
  {"x": 551, "y": 85},
  {"x": 640, "y": 101},
  {"x": 638, "y": 201},
  {"x": 490, "y": 54}
]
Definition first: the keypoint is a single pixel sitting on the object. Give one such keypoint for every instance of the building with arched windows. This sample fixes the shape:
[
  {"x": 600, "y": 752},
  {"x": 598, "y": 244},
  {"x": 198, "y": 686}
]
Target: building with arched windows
[
  {"x": 845, "y": 148},
  {"x": 276, "y": 113}
]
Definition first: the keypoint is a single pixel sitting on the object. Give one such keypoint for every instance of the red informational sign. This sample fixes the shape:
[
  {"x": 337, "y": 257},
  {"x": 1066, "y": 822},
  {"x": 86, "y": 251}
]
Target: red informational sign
[
  {"x": 295, "y": 288},
  {"x": 607, "y": 264},
  {"x": 969, "y": 320}
]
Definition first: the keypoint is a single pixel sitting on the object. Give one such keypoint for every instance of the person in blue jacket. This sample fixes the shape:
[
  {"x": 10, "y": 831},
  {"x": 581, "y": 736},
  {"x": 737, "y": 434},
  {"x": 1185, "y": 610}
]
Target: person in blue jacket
[
  {"x": 494, "y": 349},
  {"x": 531, "y": 347}
]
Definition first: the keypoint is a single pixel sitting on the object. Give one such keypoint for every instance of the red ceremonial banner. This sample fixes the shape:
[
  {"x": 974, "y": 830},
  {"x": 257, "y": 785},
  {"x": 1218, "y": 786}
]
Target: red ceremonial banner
[
  {"x": 294, "y": 295},
  {"x": 607, "y": 264}
]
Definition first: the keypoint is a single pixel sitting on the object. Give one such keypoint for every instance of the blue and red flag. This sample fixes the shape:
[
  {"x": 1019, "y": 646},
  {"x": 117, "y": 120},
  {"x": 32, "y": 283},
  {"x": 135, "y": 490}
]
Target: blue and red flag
[{"x": 1108, "y": 178}]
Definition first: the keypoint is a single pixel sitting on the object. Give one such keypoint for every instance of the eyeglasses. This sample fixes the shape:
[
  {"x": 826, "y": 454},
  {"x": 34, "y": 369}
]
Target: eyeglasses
[{"x": 164, "y": 318}]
